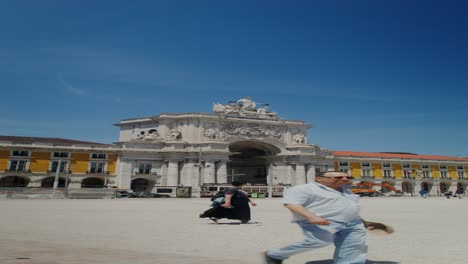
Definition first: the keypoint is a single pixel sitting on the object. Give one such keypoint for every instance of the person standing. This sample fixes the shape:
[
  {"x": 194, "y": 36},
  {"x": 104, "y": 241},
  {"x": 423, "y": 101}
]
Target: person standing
[{"x": 327, "y": 212}]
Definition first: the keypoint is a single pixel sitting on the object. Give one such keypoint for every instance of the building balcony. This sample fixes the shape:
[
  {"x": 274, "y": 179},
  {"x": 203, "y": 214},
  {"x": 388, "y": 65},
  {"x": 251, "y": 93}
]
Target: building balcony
[
  {"x": 62, "y": 172},
  {"x": 146, "y": 173},
  {"x": 17, "y": 171},
  {"x": 97, "y": 172}
]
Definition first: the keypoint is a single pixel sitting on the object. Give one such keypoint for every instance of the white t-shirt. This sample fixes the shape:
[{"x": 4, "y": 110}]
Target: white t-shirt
[{"x": 324, "y": 202}]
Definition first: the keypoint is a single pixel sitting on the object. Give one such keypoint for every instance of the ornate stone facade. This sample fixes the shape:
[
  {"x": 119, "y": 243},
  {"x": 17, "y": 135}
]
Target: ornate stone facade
[{"x": 237, "y": 140}]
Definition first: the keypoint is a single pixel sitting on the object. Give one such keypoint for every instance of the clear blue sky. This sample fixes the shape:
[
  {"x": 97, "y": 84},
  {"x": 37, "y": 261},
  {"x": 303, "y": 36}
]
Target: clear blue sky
[{"x": 368, "y": 75}]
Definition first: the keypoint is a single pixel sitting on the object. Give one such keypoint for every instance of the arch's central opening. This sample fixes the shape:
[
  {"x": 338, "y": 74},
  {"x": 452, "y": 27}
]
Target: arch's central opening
[{"x": 249, "y": 161}]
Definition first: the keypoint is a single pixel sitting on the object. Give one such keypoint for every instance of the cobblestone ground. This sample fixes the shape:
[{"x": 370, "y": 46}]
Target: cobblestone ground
[{"x": 169, "y": 231}]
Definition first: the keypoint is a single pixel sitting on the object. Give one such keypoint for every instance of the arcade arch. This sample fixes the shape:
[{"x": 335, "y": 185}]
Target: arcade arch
[
  {"x": 49, "y": 182},
  {"x": 142, "y": 185},
  {"x": 407, "y": 187},
  {"x": 92, "y": 182},
  {"x": 14, "y": 181},
  {"x": 250, "y": 160}
]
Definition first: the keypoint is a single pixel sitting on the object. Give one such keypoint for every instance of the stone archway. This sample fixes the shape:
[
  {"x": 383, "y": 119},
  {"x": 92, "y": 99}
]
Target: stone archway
[
  {"x": 444, "y": 187},
  {"x": 249, "y": 161},
  {"x": 141, "y": 185},
  {"x": 407, "y": 187},
  {"x": 427, "y": 186},
  {"x": 49, "y": 182},
  {"x": 14, "y": 181},
  {"x": 92, "y": 183}
]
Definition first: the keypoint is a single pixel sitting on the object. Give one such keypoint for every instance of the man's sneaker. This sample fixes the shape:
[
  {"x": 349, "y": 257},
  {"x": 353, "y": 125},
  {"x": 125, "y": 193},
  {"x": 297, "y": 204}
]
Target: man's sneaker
[
  {"x": 214, "y": 219},
  {"x": 270, "y": 260}
]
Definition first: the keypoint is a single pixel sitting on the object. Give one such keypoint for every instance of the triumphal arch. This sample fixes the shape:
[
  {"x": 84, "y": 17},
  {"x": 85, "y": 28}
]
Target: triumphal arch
[{"x": 239, "y": 140}]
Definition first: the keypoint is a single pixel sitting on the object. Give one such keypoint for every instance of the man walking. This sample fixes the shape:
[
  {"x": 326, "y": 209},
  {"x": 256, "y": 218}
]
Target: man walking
[{"x": 328, "y": 212}]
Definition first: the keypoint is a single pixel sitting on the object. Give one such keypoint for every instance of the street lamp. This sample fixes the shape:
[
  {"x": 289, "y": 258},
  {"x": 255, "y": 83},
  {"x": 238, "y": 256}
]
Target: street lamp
[{"x": 57, "y": 174}]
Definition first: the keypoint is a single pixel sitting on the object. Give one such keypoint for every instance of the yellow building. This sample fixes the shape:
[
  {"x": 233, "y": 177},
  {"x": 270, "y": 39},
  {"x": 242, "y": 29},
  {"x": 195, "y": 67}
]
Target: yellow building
[
  {"x": 35, "y": 162},
  {"x": 407, "y": 172}
]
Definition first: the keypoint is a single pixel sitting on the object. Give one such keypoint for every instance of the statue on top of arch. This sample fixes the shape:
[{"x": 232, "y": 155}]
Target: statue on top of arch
[{"x": 244, "y": 107}]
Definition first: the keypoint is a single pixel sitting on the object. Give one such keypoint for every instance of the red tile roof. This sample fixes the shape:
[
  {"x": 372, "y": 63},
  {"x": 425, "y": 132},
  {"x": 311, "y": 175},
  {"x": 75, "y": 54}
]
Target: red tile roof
[
  {"x": 339, "y": 153},
  {"x": 48, "y": 140}
]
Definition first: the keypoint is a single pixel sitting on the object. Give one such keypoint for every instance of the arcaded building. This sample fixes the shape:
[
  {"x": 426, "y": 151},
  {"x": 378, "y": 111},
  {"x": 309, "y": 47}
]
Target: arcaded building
[{"x": 237, "y": 140}]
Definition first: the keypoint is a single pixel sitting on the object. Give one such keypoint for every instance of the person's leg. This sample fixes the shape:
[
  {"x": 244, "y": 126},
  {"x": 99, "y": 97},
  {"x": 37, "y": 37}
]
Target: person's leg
[
  {"x": 315, "y": 237},
  {"x": 350, "y": 243}
]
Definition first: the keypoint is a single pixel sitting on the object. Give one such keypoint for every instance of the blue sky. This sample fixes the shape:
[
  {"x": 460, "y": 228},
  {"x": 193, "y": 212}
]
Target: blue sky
[{"x": 368, "y": 75}]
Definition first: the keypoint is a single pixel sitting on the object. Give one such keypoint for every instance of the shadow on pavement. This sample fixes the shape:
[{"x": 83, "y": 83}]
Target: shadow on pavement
[{"x": 330, "y": 261}]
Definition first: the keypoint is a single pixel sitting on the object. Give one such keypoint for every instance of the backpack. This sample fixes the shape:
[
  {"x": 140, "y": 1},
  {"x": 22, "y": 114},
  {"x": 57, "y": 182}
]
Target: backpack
[{"x": 217, "y": 199}]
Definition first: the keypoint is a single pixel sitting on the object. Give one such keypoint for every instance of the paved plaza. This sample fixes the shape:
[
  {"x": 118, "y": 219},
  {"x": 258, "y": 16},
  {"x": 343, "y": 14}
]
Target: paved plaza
[{"x": 167, "y": 231}]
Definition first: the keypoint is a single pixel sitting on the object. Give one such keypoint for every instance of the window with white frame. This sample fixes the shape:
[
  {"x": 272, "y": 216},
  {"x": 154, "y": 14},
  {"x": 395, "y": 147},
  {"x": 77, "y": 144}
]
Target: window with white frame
[
  {"x": 387, "y": 170},
  {"x": 443, "y": 171},
  {"x": 54, "y": 165},
  {"x": 144, "y": 168},
  {"x": 343, "y": 166},
  {"x": 18, "y": 165},
  {"x": 366, "y": 169},
  {"x": 60, "y": 155},
  {"x": 407, "y": 170},
  {"x": 426, "y": 171},
  {"x": 461, "y": 172},
  {"x": 20, "y": 153},
  {"x": 98, "y": 156},
  {"x": 97, "y": 167}
]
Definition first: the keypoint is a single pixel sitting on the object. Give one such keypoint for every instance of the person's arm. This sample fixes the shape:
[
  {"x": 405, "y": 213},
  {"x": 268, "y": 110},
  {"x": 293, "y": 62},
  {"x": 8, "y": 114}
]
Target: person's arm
[
  {"x": 302, "y": 211},
  {"x": 227, "y": 201},
  {"x": 252, "y": 202}
]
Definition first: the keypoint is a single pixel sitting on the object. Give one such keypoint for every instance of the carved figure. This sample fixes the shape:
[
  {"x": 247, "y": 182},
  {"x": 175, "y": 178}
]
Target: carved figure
[
  {"x": 262, "y": 111},
  {"x": 246, "y": 104},
  {"x": 174, "y": 134},
  {"x": 218, "y": 108},
  {"x": 225, "y": 109},
  {"x": 154, "y": 135},
  {"x": 211, "y": 133},
  {"x": 299, "y": 138}
]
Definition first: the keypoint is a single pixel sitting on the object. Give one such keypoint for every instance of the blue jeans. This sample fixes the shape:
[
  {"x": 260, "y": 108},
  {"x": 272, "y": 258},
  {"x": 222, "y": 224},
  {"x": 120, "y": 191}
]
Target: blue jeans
[{"x": 349, "y": 240}]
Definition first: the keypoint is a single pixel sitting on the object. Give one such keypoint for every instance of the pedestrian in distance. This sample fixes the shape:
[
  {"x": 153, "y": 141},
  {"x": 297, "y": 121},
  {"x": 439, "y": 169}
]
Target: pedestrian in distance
[
  {"x": 327, "y": 212},
  {"x": 234, "y": 205}
]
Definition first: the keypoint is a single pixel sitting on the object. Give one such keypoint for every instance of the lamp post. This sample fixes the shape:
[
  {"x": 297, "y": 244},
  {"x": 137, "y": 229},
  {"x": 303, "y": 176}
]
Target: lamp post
[
  {"x": 57, "y": 174},
  {"x": 418, "y": 179},
  {"x": 199, "y": 165}
]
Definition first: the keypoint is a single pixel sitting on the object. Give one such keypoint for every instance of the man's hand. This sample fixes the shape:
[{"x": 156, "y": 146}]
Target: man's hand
[
  {"x": 318, "y": 220},
  {"x": 253, "y": 203},
  {"x": 226, "y": 205}
]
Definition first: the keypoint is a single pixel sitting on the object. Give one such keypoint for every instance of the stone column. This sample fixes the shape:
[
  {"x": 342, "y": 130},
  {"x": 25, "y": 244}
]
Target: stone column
[
  {"x": 164, "y": 171},
  {"x": 35, "y": 182},
  {"x": 310, "y": 173},
  {"x": 292, "y": 173},
  {"x": 280, "y": 174},
  {"x": 300, "y": 174},
  {"x": 222, "y": 172},
  {"x": 124, "y": 175},
  {"x": 172, "y": 173},
  {"x": 188, "y": 172},
  {"x": 210, "y": 171}
]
